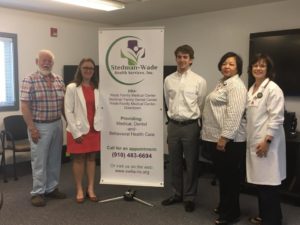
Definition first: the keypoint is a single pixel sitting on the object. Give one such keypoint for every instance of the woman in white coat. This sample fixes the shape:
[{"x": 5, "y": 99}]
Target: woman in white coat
[
  {"x": 266, "y": 151},
  {"x": 83, "y": 126}
]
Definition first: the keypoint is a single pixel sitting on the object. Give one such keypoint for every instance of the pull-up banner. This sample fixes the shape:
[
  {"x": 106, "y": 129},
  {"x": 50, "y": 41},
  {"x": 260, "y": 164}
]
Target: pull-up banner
[{"x": 131, "y": 99}]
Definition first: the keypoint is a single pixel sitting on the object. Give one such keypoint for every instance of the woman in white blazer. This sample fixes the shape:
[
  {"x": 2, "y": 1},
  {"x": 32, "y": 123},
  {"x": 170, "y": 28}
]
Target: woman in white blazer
[
  {"x": 83, "y": 126},
  {"x": 266, "y": 151}
]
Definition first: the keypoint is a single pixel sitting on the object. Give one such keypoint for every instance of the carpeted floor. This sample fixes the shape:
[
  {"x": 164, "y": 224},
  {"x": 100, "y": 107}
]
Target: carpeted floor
[{"x": 17, "y": 209}]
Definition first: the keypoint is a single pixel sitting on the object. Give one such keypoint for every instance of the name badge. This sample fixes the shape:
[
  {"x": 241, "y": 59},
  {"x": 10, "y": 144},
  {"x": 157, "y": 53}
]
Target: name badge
[{"x": 259, "y": 95}]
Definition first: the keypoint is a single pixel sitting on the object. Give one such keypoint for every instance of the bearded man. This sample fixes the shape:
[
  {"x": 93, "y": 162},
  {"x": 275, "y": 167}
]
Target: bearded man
[{"x": 42, "y": 96}]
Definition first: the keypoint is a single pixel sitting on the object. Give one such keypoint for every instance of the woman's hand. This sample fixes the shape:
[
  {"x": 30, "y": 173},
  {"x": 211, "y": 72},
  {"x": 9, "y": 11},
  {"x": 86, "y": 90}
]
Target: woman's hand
[
  {"x": 262, "y": 149},
  {"x": 79, "y": 140},
  {"x": 222, "y": 144}
]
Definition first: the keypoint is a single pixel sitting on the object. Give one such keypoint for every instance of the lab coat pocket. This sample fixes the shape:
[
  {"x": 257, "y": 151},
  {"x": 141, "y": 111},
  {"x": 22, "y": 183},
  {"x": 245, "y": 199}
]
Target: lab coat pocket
[
  {"x": 256, "y": 140},
  {"x": 253, "y": 149}
]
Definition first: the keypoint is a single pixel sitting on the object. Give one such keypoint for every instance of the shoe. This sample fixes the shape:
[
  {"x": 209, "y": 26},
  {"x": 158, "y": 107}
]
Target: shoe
[
  {"x": 38, "y": 200},
  {"x": 79, "y": 200},
  {"x": 189, "y": 206},
  {"x": 221, "y": 221},
  {"x": 255, "y": 220},
  {"x": 172, "y": 200},
  {"x": 56, "y": 194},
  {"x": 91, "y": 198},
  {"x": 216, "y": 210}
]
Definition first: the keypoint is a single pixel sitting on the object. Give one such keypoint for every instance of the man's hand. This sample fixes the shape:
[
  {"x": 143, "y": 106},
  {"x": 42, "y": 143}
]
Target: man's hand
[{"x": 35, "y": 134}]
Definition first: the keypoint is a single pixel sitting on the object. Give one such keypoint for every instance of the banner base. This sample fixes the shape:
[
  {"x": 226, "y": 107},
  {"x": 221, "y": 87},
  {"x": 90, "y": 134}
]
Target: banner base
[{"x": 127, "y": 196}]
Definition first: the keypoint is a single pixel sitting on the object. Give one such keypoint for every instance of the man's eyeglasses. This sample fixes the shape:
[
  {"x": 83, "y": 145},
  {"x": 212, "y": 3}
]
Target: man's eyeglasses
[{"x": 88, "y": 68}]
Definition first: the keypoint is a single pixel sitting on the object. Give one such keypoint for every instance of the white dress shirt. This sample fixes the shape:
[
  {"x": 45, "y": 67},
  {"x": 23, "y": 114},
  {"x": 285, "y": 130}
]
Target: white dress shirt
[
  {"x": 184, "y": 95},
  {"x": 223, "y": 112}
]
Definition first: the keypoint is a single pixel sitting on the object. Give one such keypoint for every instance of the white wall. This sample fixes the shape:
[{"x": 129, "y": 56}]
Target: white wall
[
  {"x": 213, "y": 34},
  {"x": 76, "y": 39}
]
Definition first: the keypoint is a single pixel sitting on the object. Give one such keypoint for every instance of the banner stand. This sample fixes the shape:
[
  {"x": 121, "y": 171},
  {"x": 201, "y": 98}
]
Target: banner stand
[
  {"x": 129, "y": 195},
  {"x": 131, "y": 96},
  {"x": 131, "y": 106}
]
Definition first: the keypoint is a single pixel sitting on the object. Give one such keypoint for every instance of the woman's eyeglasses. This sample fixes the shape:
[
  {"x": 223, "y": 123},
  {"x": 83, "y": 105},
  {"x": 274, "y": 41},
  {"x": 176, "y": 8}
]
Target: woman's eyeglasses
[{"x": 88, "y": 68}]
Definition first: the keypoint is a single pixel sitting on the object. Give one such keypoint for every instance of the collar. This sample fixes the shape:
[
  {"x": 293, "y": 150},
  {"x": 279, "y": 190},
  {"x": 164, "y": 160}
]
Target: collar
[
  {"x": 50, "y": 76},
  {"x": 265, "y": 83},
  {"x": 229, "y": 80},
  {"x": 184, "y": 73}
]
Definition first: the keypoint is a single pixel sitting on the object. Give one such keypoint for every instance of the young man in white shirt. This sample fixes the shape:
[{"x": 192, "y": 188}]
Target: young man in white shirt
[{"x": 184, "y": 94}]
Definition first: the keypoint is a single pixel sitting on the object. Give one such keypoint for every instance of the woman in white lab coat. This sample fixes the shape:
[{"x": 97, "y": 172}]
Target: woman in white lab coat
[{"x": 266, "y": 151}]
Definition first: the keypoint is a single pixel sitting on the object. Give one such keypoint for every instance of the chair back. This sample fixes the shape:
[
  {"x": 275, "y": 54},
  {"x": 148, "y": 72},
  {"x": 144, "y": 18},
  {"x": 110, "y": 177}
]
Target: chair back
[{"x": 16, "y": 126}]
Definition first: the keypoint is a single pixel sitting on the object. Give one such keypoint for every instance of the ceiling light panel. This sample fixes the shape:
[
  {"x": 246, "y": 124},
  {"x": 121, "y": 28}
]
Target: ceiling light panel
[{"x": 95, "y": 4}]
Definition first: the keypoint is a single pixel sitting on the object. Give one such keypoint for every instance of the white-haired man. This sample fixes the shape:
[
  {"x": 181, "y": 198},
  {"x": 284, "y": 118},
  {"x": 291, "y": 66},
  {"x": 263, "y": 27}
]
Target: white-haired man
[{"x": 42, "y": 96}]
